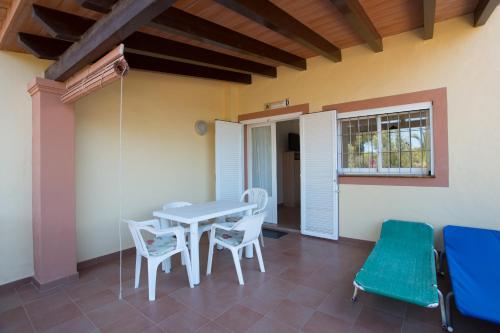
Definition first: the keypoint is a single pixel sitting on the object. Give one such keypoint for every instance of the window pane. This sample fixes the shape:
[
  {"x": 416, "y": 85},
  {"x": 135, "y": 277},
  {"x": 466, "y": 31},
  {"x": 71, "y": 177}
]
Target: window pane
[{"x": 405, "y": 139}]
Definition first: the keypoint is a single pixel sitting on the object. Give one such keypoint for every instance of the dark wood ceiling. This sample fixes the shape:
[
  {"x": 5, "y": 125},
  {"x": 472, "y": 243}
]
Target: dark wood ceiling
[{"x": 268, "y": 33}]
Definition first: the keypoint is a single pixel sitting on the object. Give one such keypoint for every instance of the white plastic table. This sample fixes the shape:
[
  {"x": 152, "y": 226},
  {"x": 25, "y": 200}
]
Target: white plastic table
[{"x": 199, "y": 212}]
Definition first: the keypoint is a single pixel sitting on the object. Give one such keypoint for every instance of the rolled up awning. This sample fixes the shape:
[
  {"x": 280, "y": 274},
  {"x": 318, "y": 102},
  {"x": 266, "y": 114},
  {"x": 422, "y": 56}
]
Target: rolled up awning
[{"x": 103, "y": 72}]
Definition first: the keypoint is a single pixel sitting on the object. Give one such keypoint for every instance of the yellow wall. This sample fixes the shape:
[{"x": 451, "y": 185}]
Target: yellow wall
[
  {"x": 164, "y": 159},
  {"x": 16, "y": 240},
  {"x": 463, "y": 59}
]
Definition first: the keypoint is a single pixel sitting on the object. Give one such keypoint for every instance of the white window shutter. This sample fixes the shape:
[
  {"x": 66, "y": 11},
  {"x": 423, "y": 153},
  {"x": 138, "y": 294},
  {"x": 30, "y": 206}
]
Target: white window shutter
[
  {"x": 318, "y": 164},
  {"x": 228, "y": 160}
]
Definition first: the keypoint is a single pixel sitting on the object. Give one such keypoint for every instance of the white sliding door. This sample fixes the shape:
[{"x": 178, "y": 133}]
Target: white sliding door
[
  {"x": 262, "y": 164},
  {"x": 228, "y": 160},
  {"x": 318, "y": 166}
]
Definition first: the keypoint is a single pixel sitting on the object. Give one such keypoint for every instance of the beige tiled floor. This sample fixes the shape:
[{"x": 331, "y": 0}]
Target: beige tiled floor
[{"x": 307, "y": 288}]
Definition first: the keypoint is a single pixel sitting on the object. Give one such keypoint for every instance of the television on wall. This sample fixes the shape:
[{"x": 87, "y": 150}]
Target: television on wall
[{"x": 293, "y": 142}]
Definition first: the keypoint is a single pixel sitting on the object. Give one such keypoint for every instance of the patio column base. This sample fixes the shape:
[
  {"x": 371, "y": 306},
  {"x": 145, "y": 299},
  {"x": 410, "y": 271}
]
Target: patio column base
[{"x": 53, "y": 183}]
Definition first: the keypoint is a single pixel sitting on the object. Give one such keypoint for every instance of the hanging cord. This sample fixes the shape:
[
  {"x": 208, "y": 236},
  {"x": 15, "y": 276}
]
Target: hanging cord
[{"x": 120, "y": 171}]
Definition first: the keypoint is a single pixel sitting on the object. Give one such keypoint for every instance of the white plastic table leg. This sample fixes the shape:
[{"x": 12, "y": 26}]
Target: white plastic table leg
[
  {"x": 195, "y": 252},
  {"x": 249, "y": 248}
]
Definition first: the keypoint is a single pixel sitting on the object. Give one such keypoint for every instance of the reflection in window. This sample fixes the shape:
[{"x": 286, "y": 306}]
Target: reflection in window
[{"x": 386, "y": 143}]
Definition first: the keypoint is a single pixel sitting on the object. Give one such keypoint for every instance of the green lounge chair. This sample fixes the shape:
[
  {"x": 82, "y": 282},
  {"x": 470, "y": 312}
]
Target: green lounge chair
[{"x": 402, "y": 265}]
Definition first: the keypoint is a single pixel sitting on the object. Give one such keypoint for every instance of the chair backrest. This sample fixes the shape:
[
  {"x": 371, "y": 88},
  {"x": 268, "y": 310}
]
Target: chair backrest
[
  {"x": 176, "y": 204},
  {"x": 251, "y": 226},
  {"x": 257, "y": 196},
  {"x": 135, "y": 230}
]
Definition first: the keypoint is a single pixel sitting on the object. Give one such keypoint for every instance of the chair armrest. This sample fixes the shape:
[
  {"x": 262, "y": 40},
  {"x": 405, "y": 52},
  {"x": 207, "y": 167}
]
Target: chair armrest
[
  {"x": 155, "y": 223},
  {"x": 219, "y": 226}
]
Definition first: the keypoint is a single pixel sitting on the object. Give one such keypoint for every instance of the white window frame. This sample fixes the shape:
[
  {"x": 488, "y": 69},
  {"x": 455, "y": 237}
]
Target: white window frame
[{"x": 379, "y": 171}]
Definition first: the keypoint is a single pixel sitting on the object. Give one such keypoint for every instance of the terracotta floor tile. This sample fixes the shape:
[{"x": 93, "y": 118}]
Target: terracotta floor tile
[
  {"x": 29, "y": 292},
  {"x": 277, "y": 286},
  {"x": 15, "y": 320},
  {"x": 269, "y": 325},
  {"x": 77, "y": 325},
  {"x": 162, "y": 309},
  {"x": 141, "y": 298},
  {"x": 414, "y": 326},
  {"x": 321, "y": 322},
  {"x": 131, "y": 324},
  {"x": 85, "y": 289},
  {"x": 263, "y": 303},
  {"x": 292, "y": 314},
  {"x": 97, "y": 300},
  {"x": 238, "y": 318},
  {"x": 47, "y": 304},
  {"x": 212, "y": 327},
  {"x": 185, "y": 321},
  {"x": 341, "y": 307},
  {"x": 377, "y": 321},
  {"x": 44, "y": 320},
  {"x": 307, "y": 296},
  {"x": 9, "y": 300},
  {"x": 111, "y": 313}
]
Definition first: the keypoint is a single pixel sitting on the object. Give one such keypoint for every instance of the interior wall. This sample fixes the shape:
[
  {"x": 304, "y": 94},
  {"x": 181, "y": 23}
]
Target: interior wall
[
  {"x": 16, "y": 238},
  {"x": 163, "y": 158},
  {"x": 463, "y": 59},
  {"x": 282, "y": 130}
]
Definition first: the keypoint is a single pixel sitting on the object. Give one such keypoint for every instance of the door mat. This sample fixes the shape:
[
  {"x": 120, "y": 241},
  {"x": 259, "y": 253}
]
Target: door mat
[{"x": 274, "y": 234}]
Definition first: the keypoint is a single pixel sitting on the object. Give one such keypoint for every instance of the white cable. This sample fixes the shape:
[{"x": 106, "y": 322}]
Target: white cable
[{"x": 120, "y": 170}]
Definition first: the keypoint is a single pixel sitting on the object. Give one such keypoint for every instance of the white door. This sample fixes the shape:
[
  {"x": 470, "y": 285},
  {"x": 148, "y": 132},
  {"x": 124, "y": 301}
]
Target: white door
[
  {"x": 228, "y": 160},
  {"x": 318, "y": 166},
  {"x": 261, "y": 146}
]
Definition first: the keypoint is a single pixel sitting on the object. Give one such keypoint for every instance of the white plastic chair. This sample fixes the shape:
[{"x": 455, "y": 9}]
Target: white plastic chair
[
  {"x": 244, "y": 232},
  {"x": 157, "y": 250},
  {"x": 254, "y": 195}
]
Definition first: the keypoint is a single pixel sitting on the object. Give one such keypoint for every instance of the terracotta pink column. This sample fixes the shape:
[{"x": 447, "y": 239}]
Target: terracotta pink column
[{"x": 54, "y": 229}]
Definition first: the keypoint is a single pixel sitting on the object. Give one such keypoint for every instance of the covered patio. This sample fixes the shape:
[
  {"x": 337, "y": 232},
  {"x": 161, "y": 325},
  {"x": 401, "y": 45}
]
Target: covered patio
[{"x": 249, "y": 166}]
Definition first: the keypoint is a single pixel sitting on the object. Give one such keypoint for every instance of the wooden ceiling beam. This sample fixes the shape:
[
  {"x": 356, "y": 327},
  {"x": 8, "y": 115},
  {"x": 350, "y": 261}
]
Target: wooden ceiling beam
[
  {"x": 71, "y": 27},
  {"x": 62, "y": 25},
  {"x": 356, "y": 16},
  {"x": 142, "y": 62},
  {"x": 43, "y": 47},
  {"x": 273, "y": 17},
  {"x": 180, "y": 22},
  {"x": 483, "y": 11},
  {"x": 101, "y": 6},
  {"x": 156, "y": 45},
  {"x": 429, "y": 18},
  {"x": 127, "y": 16}
]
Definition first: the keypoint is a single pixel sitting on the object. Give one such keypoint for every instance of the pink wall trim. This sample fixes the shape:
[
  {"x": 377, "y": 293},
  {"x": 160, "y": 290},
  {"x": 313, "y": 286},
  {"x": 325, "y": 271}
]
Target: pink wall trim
[
  {"x": 53, "y": 198},
  {"x": 438, "y": 97}
]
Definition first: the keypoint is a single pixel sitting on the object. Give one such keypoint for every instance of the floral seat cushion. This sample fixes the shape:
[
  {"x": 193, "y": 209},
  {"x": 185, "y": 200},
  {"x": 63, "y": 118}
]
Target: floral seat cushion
[
  {"x": 232, "y": 237},
  {"x": 161, "y": 245}
]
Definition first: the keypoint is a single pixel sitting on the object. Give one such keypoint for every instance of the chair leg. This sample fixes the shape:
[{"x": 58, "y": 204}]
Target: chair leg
[
  {"x": 240, "y": 253},
  {"x": 262, "y": 238},
  {"x": 138, "y": 261},
  {"x": 152, "y": 268},
  {"x": 166, "y": 265},
  {"x": 210, "y": 255},
  {"x": 183, "y": 262},
  {"x": 187, "y": 260},
  {"x": 236, "y": 259},
  {"x": 259, "y": 256},
  {"x": 449, "y": 323},
  {"x": 355, "y": 295}
]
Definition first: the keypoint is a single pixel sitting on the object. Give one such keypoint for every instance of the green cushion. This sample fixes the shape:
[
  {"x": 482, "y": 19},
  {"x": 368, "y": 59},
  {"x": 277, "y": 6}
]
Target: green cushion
[
  {"x": 402, "y": 264},
  {"x": 161, "y": 245}
]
